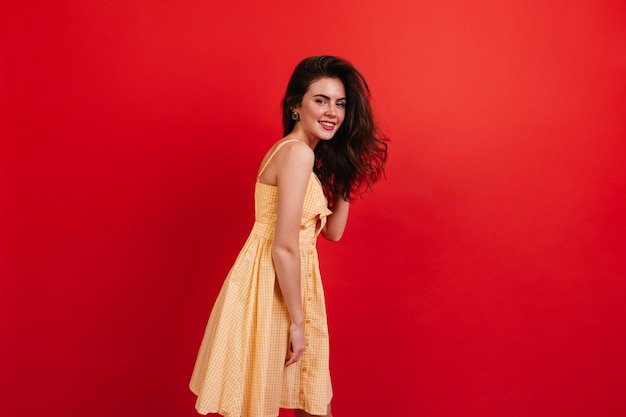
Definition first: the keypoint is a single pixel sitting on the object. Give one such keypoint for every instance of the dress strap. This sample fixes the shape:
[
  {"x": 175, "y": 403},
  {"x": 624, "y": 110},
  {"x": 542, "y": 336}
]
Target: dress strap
[{"x": 280, "y": 145}]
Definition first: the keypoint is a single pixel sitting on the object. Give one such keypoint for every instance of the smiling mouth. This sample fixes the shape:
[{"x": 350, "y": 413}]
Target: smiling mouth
[{"x": 328, "y": 125}]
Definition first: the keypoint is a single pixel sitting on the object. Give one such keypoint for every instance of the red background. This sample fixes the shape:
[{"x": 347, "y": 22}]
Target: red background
[{"x": 484, "y": 277}]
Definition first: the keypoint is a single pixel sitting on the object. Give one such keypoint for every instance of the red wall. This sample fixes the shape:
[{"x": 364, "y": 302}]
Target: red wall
[{"x": 484, "y": 277}]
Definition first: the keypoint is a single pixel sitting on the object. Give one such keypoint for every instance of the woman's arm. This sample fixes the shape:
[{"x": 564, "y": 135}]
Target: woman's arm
[
  {"x": 336, "y": 223},
  {"x": 294, "y": 166}
]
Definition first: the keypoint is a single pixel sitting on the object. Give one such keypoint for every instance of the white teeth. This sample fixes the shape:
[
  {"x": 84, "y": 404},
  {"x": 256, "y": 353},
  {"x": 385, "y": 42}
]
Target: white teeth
[{"x": 327, "y": 124}]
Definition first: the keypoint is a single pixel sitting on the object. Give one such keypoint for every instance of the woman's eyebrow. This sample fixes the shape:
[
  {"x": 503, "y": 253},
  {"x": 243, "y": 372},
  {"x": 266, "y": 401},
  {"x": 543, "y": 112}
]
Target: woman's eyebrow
[{"x": 328, "y": 98}]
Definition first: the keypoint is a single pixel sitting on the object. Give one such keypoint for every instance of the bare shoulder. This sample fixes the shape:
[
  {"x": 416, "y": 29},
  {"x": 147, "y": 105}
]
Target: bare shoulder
[
  {"x": 297, "y": 152},
  {"x": 286, "y": 158}
]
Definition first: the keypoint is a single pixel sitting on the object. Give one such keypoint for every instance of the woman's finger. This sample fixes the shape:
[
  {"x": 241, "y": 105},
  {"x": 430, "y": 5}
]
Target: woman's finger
[{"x": 294, "y": 357}]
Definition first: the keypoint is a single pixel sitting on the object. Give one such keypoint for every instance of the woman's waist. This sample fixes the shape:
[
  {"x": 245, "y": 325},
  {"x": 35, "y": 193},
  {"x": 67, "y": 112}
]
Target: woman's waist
[{"x": 307, "y": 235}]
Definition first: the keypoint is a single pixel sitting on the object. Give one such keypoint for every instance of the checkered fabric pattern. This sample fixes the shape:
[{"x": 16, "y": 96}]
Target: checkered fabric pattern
[{"x": 240, "y": 371}]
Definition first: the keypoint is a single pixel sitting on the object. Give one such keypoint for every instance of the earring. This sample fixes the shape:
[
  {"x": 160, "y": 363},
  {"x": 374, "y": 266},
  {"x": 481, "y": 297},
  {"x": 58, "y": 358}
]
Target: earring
[{"x": 295, "y": 116}]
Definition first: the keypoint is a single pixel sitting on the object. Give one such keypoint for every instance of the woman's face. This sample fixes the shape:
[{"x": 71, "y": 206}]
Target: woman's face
[{"x": 322, "y": 110}]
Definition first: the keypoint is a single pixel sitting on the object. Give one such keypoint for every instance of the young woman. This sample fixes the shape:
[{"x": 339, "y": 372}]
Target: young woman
[{"x": 266, "y": 342}]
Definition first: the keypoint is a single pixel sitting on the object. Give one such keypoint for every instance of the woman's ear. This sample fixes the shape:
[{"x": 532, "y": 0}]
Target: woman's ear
[{"x": 293, "y": 107}]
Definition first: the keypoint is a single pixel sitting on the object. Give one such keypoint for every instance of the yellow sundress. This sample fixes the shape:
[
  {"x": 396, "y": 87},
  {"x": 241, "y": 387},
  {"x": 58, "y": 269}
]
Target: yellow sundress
[{"x": 240, "y": 371}]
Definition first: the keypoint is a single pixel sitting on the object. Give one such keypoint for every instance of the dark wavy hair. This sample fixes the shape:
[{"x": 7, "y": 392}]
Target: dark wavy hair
[{"x": 354, "y": 160}]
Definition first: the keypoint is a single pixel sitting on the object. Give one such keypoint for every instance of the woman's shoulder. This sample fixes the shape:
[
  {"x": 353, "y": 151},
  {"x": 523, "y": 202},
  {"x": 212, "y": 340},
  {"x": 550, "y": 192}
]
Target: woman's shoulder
[
  {"x": 291, "y": 143},
  {"x": 287, "y": 154},
  {"x": 289, "y": 148}
]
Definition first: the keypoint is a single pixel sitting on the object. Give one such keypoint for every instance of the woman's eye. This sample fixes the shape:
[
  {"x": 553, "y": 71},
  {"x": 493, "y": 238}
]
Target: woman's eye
[
  {"x": 341, "y": 105},
  {"x": 319, "y": 100}
]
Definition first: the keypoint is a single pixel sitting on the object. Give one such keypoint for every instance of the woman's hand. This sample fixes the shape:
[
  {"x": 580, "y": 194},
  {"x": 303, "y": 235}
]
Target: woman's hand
[{"x": 296, "y": 343}]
